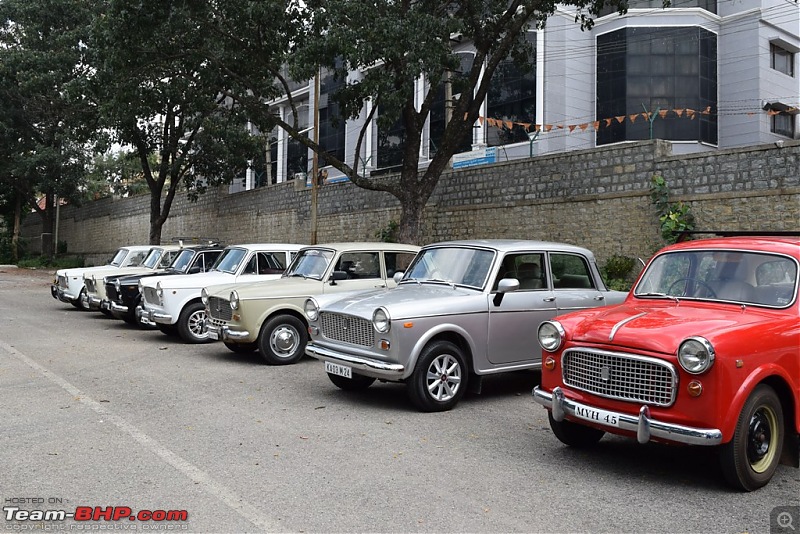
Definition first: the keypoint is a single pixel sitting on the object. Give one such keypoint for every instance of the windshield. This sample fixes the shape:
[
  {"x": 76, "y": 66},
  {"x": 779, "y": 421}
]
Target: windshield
[
  {"x": 134, "y": 259},
  {"x": 229, "y": 260},
  {"x": 456, "y": 265},
  {"x": 152, "y": 259},
  {"x": 310, "y": 263},
  {"x": 118, "y": 257},
  {"x": 182, "y": 260},
  {"x": 722, "y": 275}
]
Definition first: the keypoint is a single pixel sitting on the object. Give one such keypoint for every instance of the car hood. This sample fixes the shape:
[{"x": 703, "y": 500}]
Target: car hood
[
  {"x": 410, "y": 300},
  {"x": 658, "y": 328},
  {"x": 79, "y": 271},
  {"x": 266, "y": 288},
  {"x": 189, "y": 281},
  {"x": 117, "y": 271}
]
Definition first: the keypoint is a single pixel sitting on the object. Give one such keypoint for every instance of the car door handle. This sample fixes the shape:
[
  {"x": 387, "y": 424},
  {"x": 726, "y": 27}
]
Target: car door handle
[
  {"x": 599, "y": 297},
  {"x": 381, "y": 285},
  {"x": 549, "y": 299}
]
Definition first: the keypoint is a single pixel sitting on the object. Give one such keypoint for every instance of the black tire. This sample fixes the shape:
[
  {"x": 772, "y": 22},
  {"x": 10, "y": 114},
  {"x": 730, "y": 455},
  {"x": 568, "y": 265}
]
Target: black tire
[
  {"x": 107, "y": 313},
  {"x": 750, "y": 458},
  {"x": 81, "y": 303},
  {"x": 357, "y": 383},
  {"x": 439, "y": 379},
  {"x": 168, "y": 329},
  {"x": 575, "y": 434},
  {"x": 282, "y": 340},
  {"x": 242, "y": 348},
  {"x": 192, "y": 323}
]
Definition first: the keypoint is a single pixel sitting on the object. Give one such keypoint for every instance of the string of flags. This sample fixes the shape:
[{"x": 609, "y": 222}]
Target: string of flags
[{"x": 689, "y": 113}]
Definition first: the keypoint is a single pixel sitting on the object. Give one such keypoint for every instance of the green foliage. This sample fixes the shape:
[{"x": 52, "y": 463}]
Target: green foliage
[
  {"x": 617, "y": 272},
  {"x": 389, "y": 233},
  {"x": 43, "y": 262},
  {"x": 673, "y": 217}
]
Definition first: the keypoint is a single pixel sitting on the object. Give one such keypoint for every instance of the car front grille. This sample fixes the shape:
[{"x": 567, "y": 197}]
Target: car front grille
[
  {"x": 111, "y": 292},
  {"x": 347, "y": 329},
  {"x": 62, "y": 282},
  {"x": 150, "y": 296},
  {"x": 626, "y": 377},
  {"x": 219, "y": 308},
  {"x": 89, "y": 283}
]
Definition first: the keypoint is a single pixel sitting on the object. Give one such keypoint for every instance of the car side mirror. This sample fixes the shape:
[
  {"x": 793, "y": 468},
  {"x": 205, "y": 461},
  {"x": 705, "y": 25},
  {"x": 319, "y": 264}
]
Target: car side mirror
[
  {"x": 505, "y": 285},
  {"x": 398, "y": 276},
  {"x": 195, "y": 269},
  {"x": 337, "y": 275}
]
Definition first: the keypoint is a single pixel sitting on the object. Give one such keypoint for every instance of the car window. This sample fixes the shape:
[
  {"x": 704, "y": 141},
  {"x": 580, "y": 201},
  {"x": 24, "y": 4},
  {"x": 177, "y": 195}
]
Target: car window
[
  {"x": 359, "y": 265},
  {"x": 527, "y": 268},
  {"x": 119, "y": 257},
  {"x": 310, "y": 263},
  {"x": 167, "y": 258},
  {"x": 207, "y": 259},
  {"x": 268, "y": 263},
  {"x": 229, "y": 260},
  {"x": 570, "y": 271},
  {"x": 455, "y": 265},
  {"x": 397, "y": 262},
  {"x": 181, "y": 261},
  {"x": 135, "y": 259}
]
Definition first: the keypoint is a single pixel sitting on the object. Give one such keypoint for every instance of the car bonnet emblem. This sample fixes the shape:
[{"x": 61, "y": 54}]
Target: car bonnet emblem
[{"x": 605, "y": 374}]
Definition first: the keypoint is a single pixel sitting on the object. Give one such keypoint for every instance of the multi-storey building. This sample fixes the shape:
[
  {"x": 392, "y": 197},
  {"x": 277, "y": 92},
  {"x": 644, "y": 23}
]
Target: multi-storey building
[{"x": 703, "y": 74}]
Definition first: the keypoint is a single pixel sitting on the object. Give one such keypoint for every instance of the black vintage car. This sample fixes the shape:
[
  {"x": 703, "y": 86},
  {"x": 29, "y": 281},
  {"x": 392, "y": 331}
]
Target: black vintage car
[{"x": 123, "y": 290}]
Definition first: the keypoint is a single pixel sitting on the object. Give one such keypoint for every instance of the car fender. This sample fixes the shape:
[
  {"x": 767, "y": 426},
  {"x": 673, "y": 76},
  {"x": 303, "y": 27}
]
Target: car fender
[
  {"x": 759, "y": 375},
  {"x": 182, "y": 298},
  {"x": 291, "y": 306},
  {"x": 444, "y": 328}
]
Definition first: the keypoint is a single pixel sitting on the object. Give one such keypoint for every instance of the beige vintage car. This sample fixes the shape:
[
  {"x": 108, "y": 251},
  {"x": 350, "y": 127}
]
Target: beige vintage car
[{"x": 268, "y": 316}]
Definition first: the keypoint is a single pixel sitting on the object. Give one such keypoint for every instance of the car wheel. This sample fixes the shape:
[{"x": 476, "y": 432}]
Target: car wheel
[
  {"x": 242, "y": 348},
  {"x": 192, "y": 323},
  {"x": 282, "y": 340},
  {"x": 168, "y": 329},
  {"x": 357, "y": 383},
  {"x": 749, "y": 459},
  {"x": 574, "y": 434},
  {"x": 439, "y": 379}
]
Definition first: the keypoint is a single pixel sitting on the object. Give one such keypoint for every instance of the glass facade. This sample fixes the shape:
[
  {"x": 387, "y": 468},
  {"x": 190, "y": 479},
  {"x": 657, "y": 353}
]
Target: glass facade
[
  {"x": 657, "y": 69},
  {"x": 438, "y": 109},
  {"x": 331, "y": 124},
  {"x": 512, "y": 97}
]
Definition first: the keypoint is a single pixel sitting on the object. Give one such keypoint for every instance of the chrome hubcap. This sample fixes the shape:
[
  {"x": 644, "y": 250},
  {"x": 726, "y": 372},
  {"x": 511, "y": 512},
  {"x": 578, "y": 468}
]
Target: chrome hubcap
[
  {"x": 283, "y": 341},
  {"x": 197, "y": 324},
  {"x": 444, "y": 378}
]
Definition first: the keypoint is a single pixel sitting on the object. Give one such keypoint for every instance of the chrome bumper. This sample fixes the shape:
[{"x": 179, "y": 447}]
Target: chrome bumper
[
  {"x": 151, "y": 317},
  {"x": 94, "y": 302},
  {"x": 224, "y": 333},
  {"x": 361, "y": 364},
  {"x": 119, "y": 308},
  {"x": 644, "y": 427},
  {"x": 62, "y": 295}
]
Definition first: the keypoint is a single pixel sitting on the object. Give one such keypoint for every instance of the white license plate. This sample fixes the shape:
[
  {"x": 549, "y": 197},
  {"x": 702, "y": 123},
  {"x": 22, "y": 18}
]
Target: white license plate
[
  {"x": 596, "y": 416},
  {"x": 340, "y": 370},
  {"x": 212, "y": 334}
]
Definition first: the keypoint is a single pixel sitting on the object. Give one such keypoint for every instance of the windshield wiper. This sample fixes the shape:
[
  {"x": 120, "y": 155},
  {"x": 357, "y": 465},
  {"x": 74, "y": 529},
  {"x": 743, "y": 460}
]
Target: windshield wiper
[
  {"x": 662, "y": 295},
  {"x": 439, "y": 280}
]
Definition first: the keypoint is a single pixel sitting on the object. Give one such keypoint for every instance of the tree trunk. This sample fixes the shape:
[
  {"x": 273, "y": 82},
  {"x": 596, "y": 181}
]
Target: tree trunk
[
  {"x": 17, "y": 225},
  {"x": 156, "y": 220},
  {"x": 412, "y": 210}
]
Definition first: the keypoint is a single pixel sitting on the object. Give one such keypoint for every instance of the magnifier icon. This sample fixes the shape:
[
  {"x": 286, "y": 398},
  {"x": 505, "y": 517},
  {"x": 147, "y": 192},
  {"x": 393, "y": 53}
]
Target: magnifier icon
[{"x": 785, "y": 520}]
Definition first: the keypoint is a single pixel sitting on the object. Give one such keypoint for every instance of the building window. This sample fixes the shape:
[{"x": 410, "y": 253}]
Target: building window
[
  {"x": 781, "y": 59},
  {"x": 512, "y": 98},
  {"x": 296, "y": 152},
  {"x": 331, "y": 124},
  {"x": 391, "y": 140},
  {"x": 657, "y": 69},
  {"x": 783, "y": 124},
  {"x": 458, "y": 84}
]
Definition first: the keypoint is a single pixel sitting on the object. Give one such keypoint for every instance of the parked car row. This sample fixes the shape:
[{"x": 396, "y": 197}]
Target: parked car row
[{"x": 705, "y": 350}]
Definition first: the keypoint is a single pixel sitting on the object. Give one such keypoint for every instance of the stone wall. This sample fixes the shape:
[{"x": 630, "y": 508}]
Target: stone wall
[{"x": 597, "y": 198}]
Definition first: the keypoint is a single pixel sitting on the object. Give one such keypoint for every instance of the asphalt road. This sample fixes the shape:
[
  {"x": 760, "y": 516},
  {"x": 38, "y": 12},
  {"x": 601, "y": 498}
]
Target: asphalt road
[{"x": 97, "y": 414}]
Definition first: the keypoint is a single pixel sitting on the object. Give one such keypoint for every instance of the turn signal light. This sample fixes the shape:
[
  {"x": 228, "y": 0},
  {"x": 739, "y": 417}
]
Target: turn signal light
[
  {"x": 385, "y": 345},
  {"x": 409, "y": 324},
  {"x": 549, "y": 363},
  {"x": 695, "y": 388}
]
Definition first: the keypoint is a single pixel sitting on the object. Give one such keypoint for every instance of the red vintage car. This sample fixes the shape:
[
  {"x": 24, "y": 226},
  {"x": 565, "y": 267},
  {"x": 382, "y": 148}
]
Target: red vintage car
[{"x": 705, "y": 350}]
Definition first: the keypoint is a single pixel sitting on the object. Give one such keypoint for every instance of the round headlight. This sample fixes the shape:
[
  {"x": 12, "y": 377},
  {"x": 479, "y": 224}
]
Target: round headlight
[
  {"x": 312, "y": 309},
  {"x": 234, "y": 300},
  {"x": 159, "y": 290},
  {"x": 696, "y": 355},
  {"x": 551, "y": 335},
  {"x": 204, "y": 296},
  {"x": 381, "y": 320}
]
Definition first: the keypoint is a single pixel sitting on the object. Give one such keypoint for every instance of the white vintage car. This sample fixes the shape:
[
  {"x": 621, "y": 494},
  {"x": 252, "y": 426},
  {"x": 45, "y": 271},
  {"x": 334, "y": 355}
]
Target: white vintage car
[
  {"x": 463, "y": 309},
  {"x": 68, "y": 285},
  {"x": 158, "y": 258},
  {"x": 269, "y": 316},
  {"x": 172, "y": 303}
]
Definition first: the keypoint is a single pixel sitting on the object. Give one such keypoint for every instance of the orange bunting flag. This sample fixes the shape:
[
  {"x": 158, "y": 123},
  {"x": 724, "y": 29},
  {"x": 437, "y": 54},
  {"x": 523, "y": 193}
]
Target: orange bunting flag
[
  {"x": 772, "y": 112},
  {"x": 583, "y": 126},
  {"x": 690, "y": 113},
  {"x": 633, "y": 117},
  {"x": 509, "y": 125},
  {"x": 620, "y": 118},
  {"x": 560, "y": 126},
  {"x": 608, "y": 122},
  {"x": 548, "y": 127},
  {"x": 571, "y": 128},
  {"x": 678, "y": 112},
  {"x": 662, "y": 113},
  {"x": 707, "y": 111},
  {"x": 596, "y": 124},
  {"x": 527, "y": 126},
  {"x": 538, "y": 127}
]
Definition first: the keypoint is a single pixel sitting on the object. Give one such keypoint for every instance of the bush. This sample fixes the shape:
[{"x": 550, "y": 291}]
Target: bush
[
  {"x": 617, "y": 272},
  {"x": 388, "y": 234},
  {"x": 43, "y": 262}
]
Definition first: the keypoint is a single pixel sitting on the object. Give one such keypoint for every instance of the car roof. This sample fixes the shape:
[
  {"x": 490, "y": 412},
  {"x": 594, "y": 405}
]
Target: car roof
[
  {"x": 514, "y": 245},
  {"x": 277, "y": 247},
  {"x": 364, "y": 245},
  {"x": 775, "y": 244}
]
